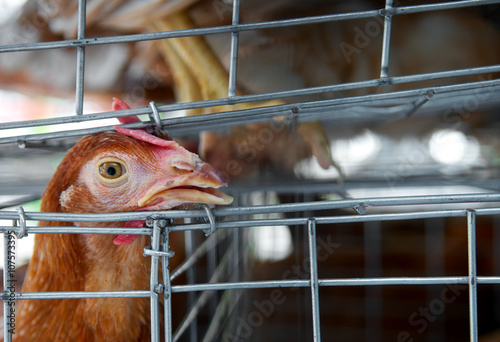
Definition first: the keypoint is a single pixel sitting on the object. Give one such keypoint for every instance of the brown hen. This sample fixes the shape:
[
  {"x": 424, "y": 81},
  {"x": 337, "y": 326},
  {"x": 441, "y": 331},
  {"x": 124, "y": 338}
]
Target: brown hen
[{"x": 108, "y": 172}]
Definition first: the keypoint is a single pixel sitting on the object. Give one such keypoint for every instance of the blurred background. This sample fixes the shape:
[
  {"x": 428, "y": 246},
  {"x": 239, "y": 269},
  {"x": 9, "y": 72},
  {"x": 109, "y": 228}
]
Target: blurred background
[{"x": 347, "y": 125}]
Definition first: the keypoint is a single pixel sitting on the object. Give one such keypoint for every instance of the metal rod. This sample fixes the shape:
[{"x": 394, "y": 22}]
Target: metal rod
[
  {"x": 294, "y": 221},
  {"x": 471, "y": 243},
  {"x": 203, "y": 299},
  {"x": 235, "y": 37},
  {"x": 240, "y": 27},
  {"x": 313, "y": 262},
  {"x": 211, "y": 268},
  {"x": 80, "y": 57},
  {"x": 229, "y": 302},
  {"x": 167, "y": 300},
  {"x": 435, "y": 247},
  {"x": 321, "y": 282},
  {"x": 440, "y": 7},
  {"x": 261, "y": 285},
  {"x": 82, "y": 294},
  {"x": 8, "y": 320},
  {"x": 81, "y": 230},
  {"x": 200, "y": 251},
  {"x": 187, "y": 33},
  {"x": 303, "y": 221},
  {"x": 155, "y": 307},
  {"x": 328, "y": 220},
  {"x": 384, "y": 67},
  {"x": 249, "y": 210},
  {"x": 373, "y": 268},
  {"x": 490, "y": 85},
  {"x": 419, "y": 103},
  {"x": 190, "y": 278},
  {"x": 307, "y": 110}
]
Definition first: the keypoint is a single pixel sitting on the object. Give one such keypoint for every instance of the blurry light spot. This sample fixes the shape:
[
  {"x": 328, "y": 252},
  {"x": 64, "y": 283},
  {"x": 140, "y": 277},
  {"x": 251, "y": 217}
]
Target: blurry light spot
[
  {"x": 449, "y": 146},
  {"x": 358, "y": 149},
  {"x": 271, "y": 243},
  {"x": 350, "y": 154}
]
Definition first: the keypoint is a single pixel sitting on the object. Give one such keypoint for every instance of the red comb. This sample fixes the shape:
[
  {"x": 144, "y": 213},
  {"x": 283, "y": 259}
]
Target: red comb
[
  {"x": 139, "y": 134},
  {"x": 120, "y": 105}
]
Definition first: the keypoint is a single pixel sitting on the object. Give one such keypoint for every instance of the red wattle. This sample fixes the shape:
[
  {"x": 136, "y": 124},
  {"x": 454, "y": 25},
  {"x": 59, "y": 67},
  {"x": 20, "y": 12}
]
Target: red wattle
[{"x": 125, "y": 239}]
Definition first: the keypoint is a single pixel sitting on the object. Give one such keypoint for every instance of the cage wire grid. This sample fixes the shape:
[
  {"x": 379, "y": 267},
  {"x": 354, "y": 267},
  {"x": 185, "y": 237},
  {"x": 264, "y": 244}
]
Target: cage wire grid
[
  {"x": 396, "y": 104},
  {"x": 158, "y": 220}
]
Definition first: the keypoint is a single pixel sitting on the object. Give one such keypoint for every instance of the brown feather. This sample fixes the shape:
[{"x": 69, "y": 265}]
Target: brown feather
[
  {"x": 151, "y": 174},
  {"x": 65, "y": 262}
]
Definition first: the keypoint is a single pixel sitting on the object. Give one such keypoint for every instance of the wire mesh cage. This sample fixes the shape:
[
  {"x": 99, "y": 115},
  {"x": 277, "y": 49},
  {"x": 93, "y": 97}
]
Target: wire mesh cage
[{"x": 358, "y": 139}]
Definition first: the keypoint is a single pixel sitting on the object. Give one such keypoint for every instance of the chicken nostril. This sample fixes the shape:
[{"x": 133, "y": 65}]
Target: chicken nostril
[{"x": 182, "y": 167}]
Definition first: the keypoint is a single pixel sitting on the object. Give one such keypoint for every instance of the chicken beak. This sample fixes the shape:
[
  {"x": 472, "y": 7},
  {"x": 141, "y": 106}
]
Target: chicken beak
[{"x": 196, "y": 183}]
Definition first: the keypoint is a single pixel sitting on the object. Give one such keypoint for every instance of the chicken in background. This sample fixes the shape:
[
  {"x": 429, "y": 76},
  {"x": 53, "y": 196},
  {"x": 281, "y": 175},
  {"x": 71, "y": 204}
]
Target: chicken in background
[
  {"x": 200, "y": 75},
  {"x": 130, "y": 170},
  {"x": 269, "y": 60}
]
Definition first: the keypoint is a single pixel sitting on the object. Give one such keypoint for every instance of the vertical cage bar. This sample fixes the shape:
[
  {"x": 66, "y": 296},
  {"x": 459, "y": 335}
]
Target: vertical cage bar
[
  {"x": 211, "y": 268},
  {"x": 7, "y": 335},
  {"x": 311, "y": 229},
  {"x": 471, "y": 246},
  {"x": 373, "y": 268},
  {"x": 435, "y": 266},
  {"x": 167, "y": 303},
  {"x": 155, "y": 305},
  {"x": 191, "y": 278},
  {"x": 496, "y": 264},
  {"x": 386, "y": 43},
  {"x": 235, "y": 37},
  {"x": 80, "y": 56}
]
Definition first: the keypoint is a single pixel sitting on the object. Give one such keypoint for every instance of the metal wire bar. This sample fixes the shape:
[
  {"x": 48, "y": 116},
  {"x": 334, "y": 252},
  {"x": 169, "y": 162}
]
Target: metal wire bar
[
  {"x": 239, "y": 28},
  {"x": 438, "y": 6},
  {"x": 488, "y": 280},
  {"x": 233, "y": 115},
  {"x": 306, "y": 111},
  {"x": 328, "y": 187},
  {"x": 190, "y": 275},
  {"x": 295, "y": 221},
  {"x": 464, "y": 280},
  {"x": 336, "y": 219},
  {"x": 81, "y": 230},
  {"x": 229, "y": 302},
  {"x": 321, "y": 282},
  {"x": 80, "y": 56},
  {"x": 260, "y": 285},
  {"x": 313, "y": 264},
  {"x": 203, "y": 299},
  {"x": 82, "y": 294},
  {"x": 384, "y": 64},
  {"x": 235, "y": 38},
  {"x": 154, "y": 290},
  {"x": 251, "y": 210},
  {"x": 167, "y": 299},
  {"x": 70, "y": 43},
  {"x": 435, "y": 239},
  {"x": 8, "y": 304},
  {"x": 472, "y": 261},
  {"x": 211, "y": 242},
  {"x": 239, "y": 115},
  {"x": 373, "y": 268}
]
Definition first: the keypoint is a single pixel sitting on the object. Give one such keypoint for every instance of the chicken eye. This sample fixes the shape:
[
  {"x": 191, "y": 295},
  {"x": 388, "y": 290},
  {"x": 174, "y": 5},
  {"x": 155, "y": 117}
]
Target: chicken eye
[{"x": 111, "y": 170}]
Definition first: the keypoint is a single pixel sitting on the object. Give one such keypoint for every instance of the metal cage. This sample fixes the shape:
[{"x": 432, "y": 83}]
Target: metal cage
[{"x": 405, "y": 268}]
